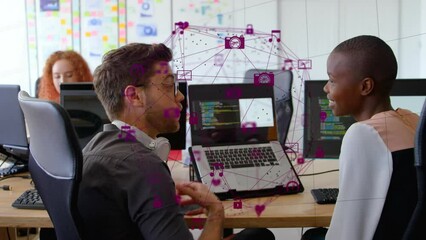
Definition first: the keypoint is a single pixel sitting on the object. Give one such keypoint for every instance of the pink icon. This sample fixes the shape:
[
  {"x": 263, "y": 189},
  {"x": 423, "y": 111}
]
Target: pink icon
[
  {"x": 178, "y": 199},
  {"x": 217, "y": 166},
  {"x": 233, "y": 93},
  {"x": 136, "y": 71},
  {"x": 288, "y": 65},
  {"x": 193, "y": 118},
  {"x": 275, "y": 34},
  {"x": 259, "y": 209},
  {"x": 292, "y": 147},
  {"x": 172, "y": 113},
  {"x": 323, "y": 116},
  {"x": 248, "y": 126},
  {"x": 184, "y": 75},
  {"x": 319, "y": 153},
  {"x": 300, "y": 159},
  {"x": 154, "y": 178},
  {"x": 127, "y": 134},
  {"x": 304, "y": 64},
  {"x": 164, "y": 68},
  {"x": 198, "y": 222},
  {"x": 249, "y": 29},
  {"x": 238, "y": 204},
  {"x": 181, "y": 26},
  {"x": 234, "y": 42},
  {"x": 216, "y": 181},
  {"x": 197, "y": 155},
  {"x": 292, "y": 185},
  {"x": 219, "y": 59},
  {"x": 264, "y": 78},
  {"x": 157, "y": 202}
]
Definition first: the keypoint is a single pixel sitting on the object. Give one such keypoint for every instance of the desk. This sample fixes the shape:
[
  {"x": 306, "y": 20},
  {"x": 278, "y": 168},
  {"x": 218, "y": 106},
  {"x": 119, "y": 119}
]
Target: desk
[{"x": 297, "y": 210}]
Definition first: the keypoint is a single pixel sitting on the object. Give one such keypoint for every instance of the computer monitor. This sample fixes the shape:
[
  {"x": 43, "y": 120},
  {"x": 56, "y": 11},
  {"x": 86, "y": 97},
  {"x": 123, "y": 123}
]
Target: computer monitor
[
  {"x": 323, "y": 132},
  {"x": 88, "y": 115},
  {"x": 13, "y": 135}
]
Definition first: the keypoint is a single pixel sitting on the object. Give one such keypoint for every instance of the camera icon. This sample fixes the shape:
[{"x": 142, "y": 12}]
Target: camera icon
[
  {"x": 146, "y": 30},
  {"x": 264, "y": 78},
  {"x": 234, "y": 42}
]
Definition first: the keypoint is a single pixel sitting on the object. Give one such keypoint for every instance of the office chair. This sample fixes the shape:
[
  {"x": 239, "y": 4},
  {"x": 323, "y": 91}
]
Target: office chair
[
  {"x": 37, "y": 87},
  {"x": 283, "y": 81},
  {"x": 415, "y": 228},
  {"x": 55, "y": 163}
]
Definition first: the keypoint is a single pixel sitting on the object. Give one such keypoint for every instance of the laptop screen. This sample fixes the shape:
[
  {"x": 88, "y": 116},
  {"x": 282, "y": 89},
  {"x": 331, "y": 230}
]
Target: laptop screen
[{"x": 231, "y": 114}]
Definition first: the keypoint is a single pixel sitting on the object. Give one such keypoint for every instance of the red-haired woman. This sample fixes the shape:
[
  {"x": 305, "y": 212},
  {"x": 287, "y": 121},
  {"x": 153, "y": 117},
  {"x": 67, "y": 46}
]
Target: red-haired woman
[{"x": 62, "y": 67}]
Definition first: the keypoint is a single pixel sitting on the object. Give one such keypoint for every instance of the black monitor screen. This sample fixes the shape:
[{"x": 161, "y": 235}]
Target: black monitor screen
[
  {"x": 231, "y": 114},
  {"x": 323, "y": 132},
  {"x": 88, "y": 115},
  {"x": 13, "y": 135}
]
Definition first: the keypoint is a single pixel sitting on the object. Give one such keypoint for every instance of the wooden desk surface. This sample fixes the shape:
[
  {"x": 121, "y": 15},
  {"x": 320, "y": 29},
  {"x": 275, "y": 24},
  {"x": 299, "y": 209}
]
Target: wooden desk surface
[{"x": 298, "y": 210}]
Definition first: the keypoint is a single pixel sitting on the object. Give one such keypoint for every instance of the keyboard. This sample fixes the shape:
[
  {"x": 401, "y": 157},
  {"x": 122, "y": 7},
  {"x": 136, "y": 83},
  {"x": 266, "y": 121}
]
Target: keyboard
[
  {"x": 325, "y": 195},
  {"x": 241, "y": 157},
  {"x": 30, "y": 199},
  {"x": 9, "y": 166}
]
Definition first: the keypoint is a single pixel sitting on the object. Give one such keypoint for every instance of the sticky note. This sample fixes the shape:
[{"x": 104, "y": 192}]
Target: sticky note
[
  {"x": 114, "y": 8},
  {"x": 69, "y": 31},
  {"x": 87, "y": 34},
  {"x": 63, "y": 21},
  {"x": 122, "y": 40},
  {"x": 105, "y": 38},
  {"x": 122, "y": 25},
  {"x": 114, "y": 19}
]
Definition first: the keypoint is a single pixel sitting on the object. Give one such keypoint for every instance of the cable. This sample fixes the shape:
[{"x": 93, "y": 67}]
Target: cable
[
  {"x": 6, "y": 187},
  {"x": 312, "y": 174}
]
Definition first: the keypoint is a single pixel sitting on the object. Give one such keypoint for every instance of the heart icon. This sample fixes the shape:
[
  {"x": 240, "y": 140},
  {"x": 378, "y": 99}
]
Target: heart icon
[
  {"x": 185, "y": 25},
  {"x": 259, "y": 209},
  {"x": 216, "y": 182}
]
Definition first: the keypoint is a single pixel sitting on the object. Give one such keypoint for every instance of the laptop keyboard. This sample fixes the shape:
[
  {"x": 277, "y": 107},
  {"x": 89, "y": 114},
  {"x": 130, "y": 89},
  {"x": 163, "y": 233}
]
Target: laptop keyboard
[{"x": 242, "y": 157}]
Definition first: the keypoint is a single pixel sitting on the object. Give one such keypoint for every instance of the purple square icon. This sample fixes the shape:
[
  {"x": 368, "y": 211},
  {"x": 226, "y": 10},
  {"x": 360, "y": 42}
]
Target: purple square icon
[
  {"x": 238, "y": 204},
  {"x": 304, "y": 64},
  {"x": 184, "y": 75}
]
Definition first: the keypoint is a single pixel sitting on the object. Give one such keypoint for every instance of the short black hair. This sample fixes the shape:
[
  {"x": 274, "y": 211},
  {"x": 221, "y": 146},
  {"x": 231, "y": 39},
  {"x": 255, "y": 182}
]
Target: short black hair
[
  {"x": 373, "y": 58},
  {"x": 127, "y": 65}
]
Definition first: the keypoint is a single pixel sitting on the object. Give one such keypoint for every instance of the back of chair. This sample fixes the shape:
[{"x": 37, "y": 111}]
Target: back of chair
[
  {"x": 55, "y": 162},
  {"x": 415, "y": 229}
]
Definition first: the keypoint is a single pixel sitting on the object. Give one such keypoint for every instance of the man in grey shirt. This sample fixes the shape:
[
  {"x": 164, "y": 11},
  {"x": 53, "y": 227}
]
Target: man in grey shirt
[{"x": 127, "y": 191}]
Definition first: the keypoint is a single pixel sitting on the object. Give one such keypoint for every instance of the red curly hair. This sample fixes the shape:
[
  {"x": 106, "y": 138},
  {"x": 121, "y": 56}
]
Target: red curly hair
[{"x": 47, "y": 89}]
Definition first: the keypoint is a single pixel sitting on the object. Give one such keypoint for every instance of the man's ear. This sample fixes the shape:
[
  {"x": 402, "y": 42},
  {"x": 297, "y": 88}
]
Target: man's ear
[
  {"x": 367, "y": 86},
  {"x": 132, "y": 97}
]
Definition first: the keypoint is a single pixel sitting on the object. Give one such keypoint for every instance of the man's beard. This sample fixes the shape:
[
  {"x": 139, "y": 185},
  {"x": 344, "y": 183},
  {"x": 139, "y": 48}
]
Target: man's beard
[{"x": 161, "y": 124}]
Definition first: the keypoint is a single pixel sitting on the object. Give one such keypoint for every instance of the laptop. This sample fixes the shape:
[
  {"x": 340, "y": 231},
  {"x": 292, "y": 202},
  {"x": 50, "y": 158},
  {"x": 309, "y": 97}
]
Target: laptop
[{"x": 234, "y": 141}]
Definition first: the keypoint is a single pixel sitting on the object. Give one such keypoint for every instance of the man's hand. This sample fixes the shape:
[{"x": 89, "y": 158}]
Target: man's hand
[{"x": 201, "y": 195}]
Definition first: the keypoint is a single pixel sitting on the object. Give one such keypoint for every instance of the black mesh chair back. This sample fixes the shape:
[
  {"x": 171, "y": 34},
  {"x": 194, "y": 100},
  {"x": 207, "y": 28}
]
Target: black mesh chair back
[
  {"x": 415, "y": 229},
  {"x": 55, "y": 163}
]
